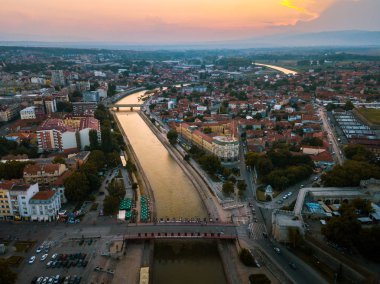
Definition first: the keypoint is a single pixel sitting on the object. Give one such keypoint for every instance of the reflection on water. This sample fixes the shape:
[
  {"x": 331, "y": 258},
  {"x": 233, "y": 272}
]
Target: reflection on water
[
  {"x": 187, "y": 263},
  {"x": 174, "y": 193}
]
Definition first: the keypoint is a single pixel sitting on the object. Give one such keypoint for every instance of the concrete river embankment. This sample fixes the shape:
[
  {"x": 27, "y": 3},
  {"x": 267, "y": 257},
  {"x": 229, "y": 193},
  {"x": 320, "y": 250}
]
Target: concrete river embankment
[{"x": 174, "y": 193}]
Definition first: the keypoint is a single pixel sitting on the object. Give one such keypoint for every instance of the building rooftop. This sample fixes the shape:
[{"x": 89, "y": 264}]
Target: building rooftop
[
  {"x": 43, "y": 195},
  {"x": 47, "y": 168}
]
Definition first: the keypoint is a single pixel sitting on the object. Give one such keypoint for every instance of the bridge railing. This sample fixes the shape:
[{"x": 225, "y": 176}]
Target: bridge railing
[{"x": 178, "y": 235}]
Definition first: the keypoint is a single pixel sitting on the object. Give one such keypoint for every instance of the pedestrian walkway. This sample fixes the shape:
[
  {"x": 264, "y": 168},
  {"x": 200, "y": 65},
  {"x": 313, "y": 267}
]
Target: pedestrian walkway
[{"x": 256, "y": 230}]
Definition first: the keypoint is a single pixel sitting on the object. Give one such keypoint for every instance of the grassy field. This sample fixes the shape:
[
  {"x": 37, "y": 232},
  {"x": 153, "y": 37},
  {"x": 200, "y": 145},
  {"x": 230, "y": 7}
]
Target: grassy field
[{"x": 371, "y": 114}]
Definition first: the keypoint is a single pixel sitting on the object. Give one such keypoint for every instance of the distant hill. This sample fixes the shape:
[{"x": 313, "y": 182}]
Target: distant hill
[
  {"x": 336, "y": 38},
  {"x": 328, "y": 39}
]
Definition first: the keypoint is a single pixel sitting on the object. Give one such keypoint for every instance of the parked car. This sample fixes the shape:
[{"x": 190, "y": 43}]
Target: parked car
[
  {"x": 277, "y": 250},
  {"x": 32, "y": 259},
  {"x": 39, "y": 249},
  {"x": 44, "y": 257},
  {"x": 54, "y": 256}
]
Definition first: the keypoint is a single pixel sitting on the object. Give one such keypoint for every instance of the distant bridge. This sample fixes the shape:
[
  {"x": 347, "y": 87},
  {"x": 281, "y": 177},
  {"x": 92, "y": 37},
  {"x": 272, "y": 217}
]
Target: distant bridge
[
  {"x": 118, "y": 106},
  {"x": 222, "y": 231}
]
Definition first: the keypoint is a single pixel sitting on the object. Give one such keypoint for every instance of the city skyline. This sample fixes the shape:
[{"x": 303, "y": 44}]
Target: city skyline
[{"x": 169, "y": 21}]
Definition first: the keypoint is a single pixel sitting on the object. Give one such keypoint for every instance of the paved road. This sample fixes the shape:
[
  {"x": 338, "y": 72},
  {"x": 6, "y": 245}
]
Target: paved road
[
  {"x": 302, "y": 274},
  {"x": 327, "y": 127}
]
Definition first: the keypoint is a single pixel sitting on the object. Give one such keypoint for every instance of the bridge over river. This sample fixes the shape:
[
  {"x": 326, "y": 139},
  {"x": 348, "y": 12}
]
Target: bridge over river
[
  {"x": 223, "y": 231},
  {"x": 118, "y": 106}
]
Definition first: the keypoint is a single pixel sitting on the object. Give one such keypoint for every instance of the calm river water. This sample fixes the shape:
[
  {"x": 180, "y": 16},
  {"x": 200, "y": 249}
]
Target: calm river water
[{"x": 175, "y": 196}]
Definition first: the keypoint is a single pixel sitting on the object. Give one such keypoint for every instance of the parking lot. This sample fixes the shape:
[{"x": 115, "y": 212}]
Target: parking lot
[{"x": 69, "y": 261}]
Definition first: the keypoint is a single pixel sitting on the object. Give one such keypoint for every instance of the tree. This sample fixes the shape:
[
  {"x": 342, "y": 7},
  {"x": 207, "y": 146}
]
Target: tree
[
  {"x": 111, "y": 90},
  {"x": 350, "y": 174},
  {"x": 259, "y": 279},
  {"x": 358, "y": 153},
  {"x": 312, "y": 141},
  {"x": 12, "y": 169},
  {"x": 210, "y": 163},
  {"x": 113, "y": 159},
  {"x": 97, "y": 157},
  {"x": 94, "y": 142},
  {"x": 228, "y": 188},
  {"x": 64, "y": 106},
  {"x": 207, "y": 130},
  {"x": 7, "y": 276},
  {"x": 172, "y": 136},
  {"x": 77, "y": 187},
  {"x": 116, "y": 189},
  {"x": 241, "y": 185},
  {"x": 106, "y": 139},
  {"x": 110, "y": 205},
  {"x": 131, "y": 167},
  {"x": 246, "y": 257},
  {"x": 187, "y": 157},
  {"x": 349, "y": 105},
  {"x": 59, "y": 160}
]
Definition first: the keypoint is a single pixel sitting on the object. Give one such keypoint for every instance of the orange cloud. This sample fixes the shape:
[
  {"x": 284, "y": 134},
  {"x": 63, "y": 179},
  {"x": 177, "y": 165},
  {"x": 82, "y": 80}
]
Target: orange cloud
[
  {"x": 131, "y": 20},
  {"x": 292, "y": 5}
]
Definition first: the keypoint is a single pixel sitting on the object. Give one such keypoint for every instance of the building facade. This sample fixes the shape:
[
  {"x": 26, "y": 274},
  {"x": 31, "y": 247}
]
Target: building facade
[
  {"x": 9, "y": 112},
  {"x": 57, "y": 78},
  {"x": 19, "y": 195},
  {"x": 226, "y": 148},
  {"x": 45, "y": 206},
  {"x": 45, "y": 175},
  {"x": 28, "y": 113}
]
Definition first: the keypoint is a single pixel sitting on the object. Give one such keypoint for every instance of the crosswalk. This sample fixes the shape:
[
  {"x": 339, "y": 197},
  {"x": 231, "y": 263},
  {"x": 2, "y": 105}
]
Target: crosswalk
[{"x": 256, "y": 230}]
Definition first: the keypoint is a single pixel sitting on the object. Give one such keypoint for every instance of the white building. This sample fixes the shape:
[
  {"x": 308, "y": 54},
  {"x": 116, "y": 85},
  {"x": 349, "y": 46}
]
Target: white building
[
  {"x": 38, "y": 80},
  {"x": 57, "y": 78},
  {"x": 86, "y": 125},
  {"x": 28, "y": 113},
  {"x": 45, "y": 206},
  {"x": 226, "y": 148},
  {"x": 20, "y": 195},
  {"x": 50, "y": 105}
]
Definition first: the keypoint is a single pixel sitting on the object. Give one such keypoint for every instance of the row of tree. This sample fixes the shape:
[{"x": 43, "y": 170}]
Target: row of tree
[
  {"x": 86, "y": 179},
  {"x": 12, "y": 169},
  {"x": 361, "y": 165},
  {"x": 346, "y": 231},
  {"x": 116, "y": 193},
  {"x": 279, "y": 167},
  {"x": 12, "y": 147}
]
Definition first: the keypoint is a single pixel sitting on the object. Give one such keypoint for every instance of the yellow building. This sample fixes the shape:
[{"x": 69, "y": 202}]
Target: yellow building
[
  {"x": 5, "y": 207},
  {"x": 224, "y": 147}
]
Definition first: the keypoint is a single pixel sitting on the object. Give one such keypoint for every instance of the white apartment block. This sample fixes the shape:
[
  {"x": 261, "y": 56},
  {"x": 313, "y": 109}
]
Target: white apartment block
[
  {"x": 45, "y": 206},
  {"x": 28, "y": 113}
]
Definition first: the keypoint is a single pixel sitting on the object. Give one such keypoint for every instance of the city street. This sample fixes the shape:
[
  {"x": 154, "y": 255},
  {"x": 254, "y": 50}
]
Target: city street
[{"x": 339, "y": 157}]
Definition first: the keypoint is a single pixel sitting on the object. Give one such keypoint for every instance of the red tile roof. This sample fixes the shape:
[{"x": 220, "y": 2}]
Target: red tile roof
[{"x": 43, "y": 195}]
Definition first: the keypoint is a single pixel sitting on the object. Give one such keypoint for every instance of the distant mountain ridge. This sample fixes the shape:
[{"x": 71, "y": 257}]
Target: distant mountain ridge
[
  {"x": 353, "y": 38},
  {"x": 333, "y": 38}
]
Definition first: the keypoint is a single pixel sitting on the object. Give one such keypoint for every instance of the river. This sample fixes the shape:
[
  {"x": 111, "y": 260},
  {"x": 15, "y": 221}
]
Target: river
[
  {"x": 281, "y": 69},
  {"x": 174, "y": 193},
  {"x": 175, "y": 196}
]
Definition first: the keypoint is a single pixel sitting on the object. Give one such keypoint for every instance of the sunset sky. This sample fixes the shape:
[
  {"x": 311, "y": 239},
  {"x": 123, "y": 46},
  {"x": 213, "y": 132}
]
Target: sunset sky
[{"x": 152, "y": 21}]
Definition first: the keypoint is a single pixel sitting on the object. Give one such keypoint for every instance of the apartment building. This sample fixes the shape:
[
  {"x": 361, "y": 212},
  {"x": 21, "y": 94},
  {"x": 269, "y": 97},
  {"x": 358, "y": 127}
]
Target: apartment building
[
  {"x": 45, "y": 205},
  {"x": 45, "y": 174},
  {"x": 9, "y": 112},
  {"x": 67, "y": 135},
  {"x": 19, "y": 196},
  {"x": 84, "y": 108},
  {"x": 226, "y": 148},
  {"x": 58, "y": 78},
  {"x": 5, "y": 205},
  {"x": 55, "y": 135}
]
